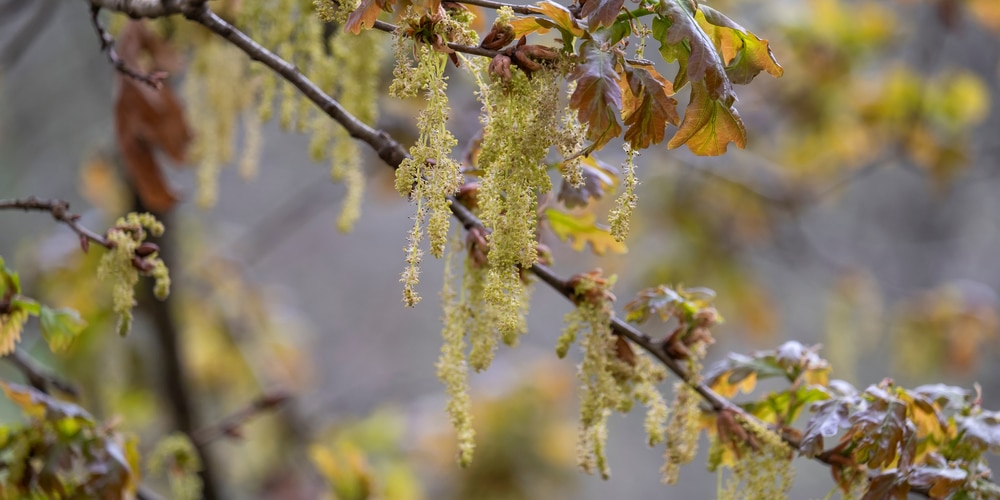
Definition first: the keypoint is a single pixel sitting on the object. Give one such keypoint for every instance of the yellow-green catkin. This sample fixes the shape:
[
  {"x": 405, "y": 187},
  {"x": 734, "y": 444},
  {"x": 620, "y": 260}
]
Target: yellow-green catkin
[
  {"x": 599, "y": 393},
  {"x": 612, "y": 377},
  {"x": 682, "y": 432},
  {"x": 355, "y": 60},
  {"x": 117, "y": 265},
  {"x": 214, "y": 105},
  {"x": 176, "y": 457},
  {"x": 452, "y": 368},
  {"x": 331, "y": 11},
  {"x": 430, "y": 175},
  {"x": 621, "y": 216},
  {"x": 520, "y": 121},
  {"x": 11, "y": 325},
  {"x": 763, "y": 473},
  {"x": 571, "y": 141},
  {"x": 252, "y": 139}
]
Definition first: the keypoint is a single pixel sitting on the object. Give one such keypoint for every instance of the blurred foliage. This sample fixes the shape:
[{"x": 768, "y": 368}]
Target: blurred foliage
[{"x": 864, "y": 88}]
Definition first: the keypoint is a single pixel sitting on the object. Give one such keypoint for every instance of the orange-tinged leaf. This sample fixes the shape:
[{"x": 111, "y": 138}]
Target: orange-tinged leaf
[
  {"x": 598, "y": 97},
  {"x": 743, "y": 53},
  {"x": 647, "y": 107},
  {"x": 561, "y": 16},
  {"x": 527, "y": 25},
  {"x": 683, "y": 39},
  {"x": 582, "y": 230},
  {"x": 365, "y": 15},
  {"x": 709, "y": 125}
]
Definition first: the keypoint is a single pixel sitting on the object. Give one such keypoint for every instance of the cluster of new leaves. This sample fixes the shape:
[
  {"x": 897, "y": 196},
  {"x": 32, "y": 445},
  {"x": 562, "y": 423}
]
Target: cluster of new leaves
[
  {"x": 712, "y": 53},
  {"x": 63, "y": 452},
  {"x": 933, "y": 438},
  {"x": 59, "y": 326}
]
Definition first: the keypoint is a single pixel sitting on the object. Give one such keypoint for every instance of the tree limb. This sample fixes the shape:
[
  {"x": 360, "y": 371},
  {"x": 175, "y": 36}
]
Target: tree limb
[
  {"x": 38, "y": 377},
  {"x": 60, "y": 212},
  {"x": 392, "y": 152}
]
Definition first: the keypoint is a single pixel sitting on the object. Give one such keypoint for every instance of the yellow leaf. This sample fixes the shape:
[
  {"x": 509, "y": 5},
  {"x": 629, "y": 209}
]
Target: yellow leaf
[{"x": 583, "y": 230}]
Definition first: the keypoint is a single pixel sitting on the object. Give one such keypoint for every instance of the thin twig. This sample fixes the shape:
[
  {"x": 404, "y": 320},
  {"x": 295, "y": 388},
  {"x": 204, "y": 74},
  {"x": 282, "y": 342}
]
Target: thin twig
[
  {"x": 60, "y": 212},
  {"x": 457, "y": 47},
  {"x": 231, "y": 426},
  {"x": 393, "y": 154},
  {"x": 520, "y": 9},
  {"x": 154, "y": 80},
  {"x": 38, "y": 377}
]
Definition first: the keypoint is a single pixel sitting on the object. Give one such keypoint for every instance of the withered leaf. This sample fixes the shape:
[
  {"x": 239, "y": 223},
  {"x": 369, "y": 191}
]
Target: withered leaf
[
  {"x": 365, "y": 15},
  {"x": 647, "y": 105},
  {"x": 598, "y": 97},
  {"x": 148, "y": 119}
]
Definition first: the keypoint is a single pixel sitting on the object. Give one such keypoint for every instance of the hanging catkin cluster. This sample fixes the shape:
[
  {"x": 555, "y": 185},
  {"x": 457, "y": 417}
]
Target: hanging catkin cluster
[
  {"x": 612, "y": 376},
  {"x": 520, "y": 122}
]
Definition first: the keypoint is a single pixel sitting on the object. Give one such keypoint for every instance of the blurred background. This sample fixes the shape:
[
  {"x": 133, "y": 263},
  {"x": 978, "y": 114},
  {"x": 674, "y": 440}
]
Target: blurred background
[{"x": 861, "y": 216}]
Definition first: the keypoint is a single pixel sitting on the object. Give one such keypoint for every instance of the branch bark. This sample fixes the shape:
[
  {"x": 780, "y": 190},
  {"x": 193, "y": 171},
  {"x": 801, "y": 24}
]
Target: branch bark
[{"x": 392, "y": 152}]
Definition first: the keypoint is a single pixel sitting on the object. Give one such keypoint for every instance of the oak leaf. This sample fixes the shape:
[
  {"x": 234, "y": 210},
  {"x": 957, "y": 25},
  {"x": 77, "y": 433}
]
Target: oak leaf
[
  {"x": 647, "y": 105},
  {"x": 582, "y": 230},
  {"x": 598, "y": 96}
]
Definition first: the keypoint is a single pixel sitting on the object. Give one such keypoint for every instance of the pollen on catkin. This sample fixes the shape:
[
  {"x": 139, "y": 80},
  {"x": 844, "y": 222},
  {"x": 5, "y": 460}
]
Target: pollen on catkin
[
  {"x": 520, "y": 121},
  {"x": 682, "y": 432},
  {"x": 452, "y": 368},
  {"x": 621, "y": 216},
  {"x": 430, "y": 175},
  {"x": 118, "y": 265}
]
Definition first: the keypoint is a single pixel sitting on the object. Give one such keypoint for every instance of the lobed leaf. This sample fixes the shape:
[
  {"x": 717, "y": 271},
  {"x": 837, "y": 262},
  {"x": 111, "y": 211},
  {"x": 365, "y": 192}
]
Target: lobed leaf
[
  {"x": 709, "y": 125},
  {"x": 981, "y": 430},
  {"x": 830, "y": 417},
  {"x": 583, "y": 230},
  {"x": 744, "y": 54},
  {"x": 365, "y": 15},
  {"x": 647, "y": 105},
  {"x": 600, "y": 12},
  {"x": 557, "y": 16},
  {"x": 598, "y": 97},
  {"x": 941, "y": 482}
]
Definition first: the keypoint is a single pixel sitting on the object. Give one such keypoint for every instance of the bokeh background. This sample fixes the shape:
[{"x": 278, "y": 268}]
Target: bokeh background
[{"x": 862, "y": 216}]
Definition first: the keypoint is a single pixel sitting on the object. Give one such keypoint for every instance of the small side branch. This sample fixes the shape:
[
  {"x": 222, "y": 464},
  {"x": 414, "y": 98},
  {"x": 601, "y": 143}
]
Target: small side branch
[
  {"x": 231, "y": 426},
  {"x": 60, "y": 212},
  {"x": 38, "y": 377},
  {"x": 154, "y": 80}
]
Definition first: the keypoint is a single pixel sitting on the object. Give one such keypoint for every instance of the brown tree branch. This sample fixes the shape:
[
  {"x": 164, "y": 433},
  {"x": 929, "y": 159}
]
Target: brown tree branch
[
  {"x": 60, "y": 212},
  {"x": 231, "y": 426},
  {"x": 520, "y": 9},
  {"x": 37, "y": 377},
  {"x": 154, "y": 80},
  {"x": 393, "y": 154}
]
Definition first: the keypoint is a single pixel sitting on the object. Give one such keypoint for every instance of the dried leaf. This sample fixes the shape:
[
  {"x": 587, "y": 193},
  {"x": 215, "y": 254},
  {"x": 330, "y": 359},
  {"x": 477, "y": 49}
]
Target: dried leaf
[
  {"x": 583, "y": 230},
  {"x": 148, "y": 119},
  {"x": 598, "y": 97},
  {"x": 365, "y": 15},
  {"x": 647, "y": 107}
]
